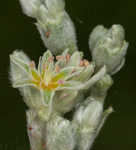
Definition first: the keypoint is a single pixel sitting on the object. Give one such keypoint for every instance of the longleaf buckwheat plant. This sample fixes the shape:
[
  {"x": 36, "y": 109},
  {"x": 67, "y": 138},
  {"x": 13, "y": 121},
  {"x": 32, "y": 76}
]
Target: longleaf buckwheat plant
[{"x": 64, "y": 81}]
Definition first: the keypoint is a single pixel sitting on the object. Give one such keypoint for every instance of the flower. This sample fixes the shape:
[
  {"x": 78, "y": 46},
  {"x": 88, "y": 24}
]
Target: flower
[
  {"x": 54, "y": 24},
  {"x": 63, "y": 73},
  {"x": 108, "y": 47}
]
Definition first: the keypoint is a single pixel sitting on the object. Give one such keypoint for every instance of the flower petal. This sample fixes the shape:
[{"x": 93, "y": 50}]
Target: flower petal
[
  {"x": 44, "y": 61},
  {"x": 64, "y": 74},
  {"x": 19, "y": 67},
  {"x": 75, "y": 59},
  {"x": 32, "y": 97},
  {"x": 62, "y": 62},
  {"x": 85, "y": 74},
  {"x": 21, "y": 60},
  {"x": 69, "y": 85},
  {"x": 47, "y": 96},
  {"x": 65, "y": 100},
  {"x": 22, "y": 83},
  {"x": 75, "y": 85},
  {"x": 75, "y": 73}
]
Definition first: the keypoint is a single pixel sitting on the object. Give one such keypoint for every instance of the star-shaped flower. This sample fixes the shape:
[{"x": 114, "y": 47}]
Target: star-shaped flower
[{"x": 64, "y": 72}]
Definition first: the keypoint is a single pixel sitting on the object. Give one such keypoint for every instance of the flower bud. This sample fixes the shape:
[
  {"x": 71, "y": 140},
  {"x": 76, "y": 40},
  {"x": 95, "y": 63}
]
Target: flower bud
[
  {"x": 55, "y": 6},
  {"x": 108, "y": 47},
  {"x": 54, "y": 24},
  {"x": 35, "y": 128},
  {"x": 101, "y": 87},
  {"x": 96, "y": 34},
  {"x": 30, "y": 7},
  {"x": 90, "y": 113},
  {"x": 60, "y": 134},
  {"x": 57, "y": 33},
  {"x": 88, "y": 118},
  {"x": 64, "y": 101}
]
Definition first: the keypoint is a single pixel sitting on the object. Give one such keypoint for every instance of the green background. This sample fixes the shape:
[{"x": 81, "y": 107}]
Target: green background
[{"x": 18, "y": 31}]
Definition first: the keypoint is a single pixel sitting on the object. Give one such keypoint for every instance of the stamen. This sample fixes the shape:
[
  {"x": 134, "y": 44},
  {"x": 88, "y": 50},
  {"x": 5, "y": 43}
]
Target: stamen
[
  {"x": 86, "y": 62},
  {"x": 57, "y": 68},
  {"x": 67, "y": 57},
  {"x": 32, "y": 64},
  {"x": 50, "y": 59},
  {"x": 47, "y": 34},
  {"x": 81, "y": 63},
  {"x": 59, "y": 57}
]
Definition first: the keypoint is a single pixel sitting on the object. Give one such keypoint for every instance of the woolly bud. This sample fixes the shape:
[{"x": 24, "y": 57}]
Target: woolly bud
[
  {"x": 88, "y": 117},
  {"x": 108, "y": 47},
  {"x": 30, "y": 7}
]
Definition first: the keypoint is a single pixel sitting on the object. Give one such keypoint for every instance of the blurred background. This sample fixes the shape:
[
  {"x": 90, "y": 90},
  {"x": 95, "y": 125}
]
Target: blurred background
[{"x": 18, "y": 31}]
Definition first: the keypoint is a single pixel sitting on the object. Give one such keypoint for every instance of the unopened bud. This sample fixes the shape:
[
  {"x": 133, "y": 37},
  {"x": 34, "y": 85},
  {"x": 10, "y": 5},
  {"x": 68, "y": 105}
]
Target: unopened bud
[
  {"x": 110, "y": 48},
  {"x": 30, "y": 7}
]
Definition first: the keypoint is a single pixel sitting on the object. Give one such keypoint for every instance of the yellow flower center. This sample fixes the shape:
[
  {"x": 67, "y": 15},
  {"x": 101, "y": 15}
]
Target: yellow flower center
[{"x": 46, "y": 81}]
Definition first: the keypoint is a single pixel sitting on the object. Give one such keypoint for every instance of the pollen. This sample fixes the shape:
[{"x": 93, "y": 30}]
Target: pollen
[
  {"x": 42, "y": 85},
  {"x": 45, "y": 82}
]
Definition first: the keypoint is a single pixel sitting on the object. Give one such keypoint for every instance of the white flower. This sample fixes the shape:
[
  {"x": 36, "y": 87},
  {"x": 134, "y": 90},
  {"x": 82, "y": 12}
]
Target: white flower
[{"x": 66, "y": 75}]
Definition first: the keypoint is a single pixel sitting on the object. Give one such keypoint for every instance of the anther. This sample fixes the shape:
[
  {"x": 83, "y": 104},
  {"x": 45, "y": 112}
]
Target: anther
[
  {"x": 81, "y": 63},
  {"x": 67, "y": 57},
  {"x": 57, "y": 68},
  {"x": 59, "y": 57},
  {"x": 32, "y": 64},
  {"x": 86, "y": 63},
  {"x": 47, "y": 34},
  {"x": 50, "y": 59}
]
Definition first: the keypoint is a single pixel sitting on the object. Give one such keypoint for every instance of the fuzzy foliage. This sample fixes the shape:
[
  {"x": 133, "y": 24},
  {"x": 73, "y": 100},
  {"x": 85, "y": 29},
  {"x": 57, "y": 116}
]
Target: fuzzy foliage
[{"x": 64, "y": 81}]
